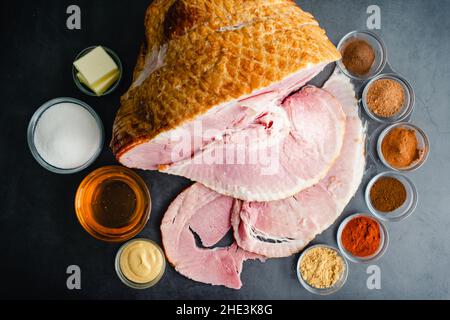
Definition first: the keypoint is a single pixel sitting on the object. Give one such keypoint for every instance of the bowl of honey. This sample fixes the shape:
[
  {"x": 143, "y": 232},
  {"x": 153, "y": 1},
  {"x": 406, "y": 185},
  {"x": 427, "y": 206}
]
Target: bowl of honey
[{"x": 113, "y": 204}]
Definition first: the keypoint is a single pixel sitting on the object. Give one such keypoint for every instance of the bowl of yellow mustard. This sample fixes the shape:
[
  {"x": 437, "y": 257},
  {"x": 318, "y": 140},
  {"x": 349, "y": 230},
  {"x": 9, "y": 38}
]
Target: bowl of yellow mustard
[{"x": 140, "y": 263}]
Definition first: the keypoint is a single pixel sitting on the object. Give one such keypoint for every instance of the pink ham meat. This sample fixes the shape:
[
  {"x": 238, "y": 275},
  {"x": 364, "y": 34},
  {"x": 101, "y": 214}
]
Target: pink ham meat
[
  {"x": 206, "y": 213},
  {"x": 225, "y": 119},
  {"x": 282, "y": 228},
  {"x": 282, "y": 152}
]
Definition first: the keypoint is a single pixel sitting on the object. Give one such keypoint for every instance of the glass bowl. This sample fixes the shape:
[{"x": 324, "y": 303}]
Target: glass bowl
[
  {"x": 132, "y": 284},
  {"x": 87, "y": 90},
  {"x": 89, "y": 189},
  {"x": 383, "y": 243},
  {"x": 377, "y": 44},
  {"x": 326, "y": 291},
  {"x": 407, "y": 107},
  {"x": 32, "y": 127},
  {"x": 423, "y": 144},
  {"x": 405, "y": 210}
]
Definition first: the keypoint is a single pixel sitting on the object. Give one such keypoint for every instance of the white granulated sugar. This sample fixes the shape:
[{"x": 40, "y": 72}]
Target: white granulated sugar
[{"x": 67, "y": 136}]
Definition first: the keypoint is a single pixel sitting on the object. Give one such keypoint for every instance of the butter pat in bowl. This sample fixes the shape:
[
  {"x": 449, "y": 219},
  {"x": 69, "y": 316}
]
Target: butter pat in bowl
[{"x": 97, "y": 71}]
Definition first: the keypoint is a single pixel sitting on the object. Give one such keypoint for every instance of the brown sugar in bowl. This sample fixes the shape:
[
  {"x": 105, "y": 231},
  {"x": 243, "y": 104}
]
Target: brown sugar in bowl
[
  {"x": 386, "y": 97},
  {"x": 406, "y": 108}
]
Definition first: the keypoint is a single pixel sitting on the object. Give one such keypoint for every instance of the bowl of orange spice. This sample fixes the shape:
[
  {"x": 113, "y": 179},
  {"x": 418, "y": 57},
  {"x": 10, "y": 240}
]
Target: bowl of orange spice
[
  {"x": 362, "y": 239},
  {"x": 403, "y": 147}
]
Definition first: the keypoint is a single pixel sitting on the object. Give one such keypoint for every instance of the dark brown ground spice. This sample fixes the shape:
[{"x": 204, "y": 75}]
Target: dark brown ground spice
[
  {"x": 358, "y": 57},
  {"x": 387, "y": 194}
]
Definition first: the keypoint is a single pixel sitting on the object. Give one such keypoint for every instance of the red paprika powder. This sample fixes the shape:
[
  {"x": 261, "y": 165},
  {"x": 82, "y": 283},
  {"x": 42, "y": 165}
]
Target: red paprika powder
[{"x": 361, "y": 236}]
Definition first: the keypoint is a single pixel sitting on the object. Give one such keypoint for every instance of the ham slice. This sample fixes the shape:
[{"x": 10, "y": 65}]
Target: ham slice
[
  {"x": 201, "y": 211},
  {"x": 282, "y": 228},
  {"x": 281, "y": 153}
]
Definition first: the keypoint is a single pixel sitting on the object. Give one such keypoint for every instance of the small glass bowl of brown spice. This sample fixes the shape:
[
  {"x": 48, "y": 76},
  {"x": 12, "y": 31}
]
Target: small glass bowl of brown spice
[
  {"x": 388, "y": 98},
  {"x": 322, "y": 269},
  {"x": 403, "y": 147},
  {"x": 362, "y": 239},
  {"x": 363, "y": 55},
  {"x": 391, "y": 196}
]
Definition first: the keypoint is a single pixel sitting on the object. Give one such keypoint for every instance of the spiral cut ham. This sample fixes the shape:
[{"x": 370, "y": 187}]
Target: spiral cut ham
[
  {"x": 207, "y": 98},
  {"x": 298, "y": 159},
  {"x": 270, "y": 229},
  {"x": 282, "y": 228}
]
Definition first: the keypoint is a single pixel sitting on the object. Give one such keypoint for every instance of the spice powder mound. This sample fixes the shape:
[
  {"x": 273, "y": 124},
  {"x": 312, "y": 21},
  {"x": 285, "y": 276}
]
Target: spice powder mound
[
  {"x": 400, "y": 147},
  {"x": 361, "y": 236},
  {"x": 387, "y": 194},
  {"x": 385, "y": 97},
  {"x": 321, "y": 267},
  {"x": 358, "y": 57}
]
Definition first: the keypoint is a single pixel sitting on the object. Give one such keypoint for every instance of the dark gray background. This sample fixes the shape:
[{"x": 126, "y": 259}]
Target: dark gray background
[{"x": 39, "y": 230}]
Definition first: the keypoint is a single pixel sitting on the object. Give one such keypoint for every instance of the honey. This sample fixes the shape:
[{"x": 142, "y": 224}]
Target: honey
[{"x": 113, "y": 204}]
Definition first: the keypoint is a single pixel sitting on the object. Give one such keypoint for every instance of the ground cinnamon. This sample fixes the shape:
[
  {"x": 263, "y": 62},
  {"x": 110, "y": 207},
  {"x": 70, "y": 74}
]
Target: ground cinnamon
[
  {"x": 400, "y": 147},
  {"x": 387, "y": 194},
  {"x": 358, "y": 57},
  {"x": 385, "y": 97},
  {"x": 361, "y": 236}
]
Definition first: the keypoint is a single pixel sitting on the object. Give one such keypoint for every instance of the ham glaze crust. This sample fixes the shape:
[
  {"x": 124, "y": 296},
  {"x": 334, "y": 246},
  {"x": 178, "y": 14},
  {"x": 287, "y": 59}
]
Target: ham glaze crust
[{"x": 199, "y": 54}]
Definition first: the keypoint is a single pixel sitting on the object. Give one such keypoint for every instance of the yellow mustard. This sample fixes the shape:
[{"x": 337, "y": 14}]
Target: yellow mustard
[{"x": 141, "y": 261}]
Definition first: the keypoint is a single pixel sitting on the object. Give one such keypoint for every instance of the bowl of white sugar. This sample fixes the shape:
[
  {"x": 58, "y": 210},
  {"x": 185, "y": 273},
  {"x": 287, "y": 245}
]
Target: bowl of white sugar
[{"x": 65, "y": 135}]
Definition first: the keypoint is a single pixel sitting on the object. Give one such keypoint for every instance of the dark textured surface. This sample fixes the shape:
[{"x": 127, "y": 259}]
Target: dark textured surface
[{"x": 39, "y": 230}]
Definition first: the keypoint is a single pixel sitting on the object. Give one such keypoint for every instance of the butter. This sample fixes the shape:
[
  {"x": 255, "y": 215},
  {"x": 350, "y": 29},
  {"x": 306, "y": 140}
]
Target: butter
[
  {"x": 101, "y": 87},
  {"x": 97, "y": 69},
  {"x": 82, "y": 79}
]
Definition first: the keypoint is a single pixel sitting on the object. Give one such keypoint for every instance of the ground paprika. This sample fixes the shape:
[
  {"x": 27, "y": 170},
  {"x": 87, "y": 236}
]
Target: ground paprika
[{"x": 361, "y": 236}]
